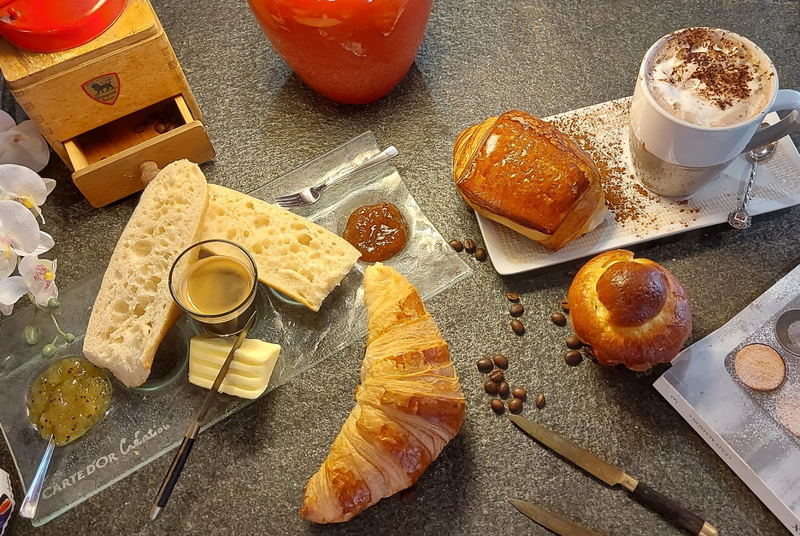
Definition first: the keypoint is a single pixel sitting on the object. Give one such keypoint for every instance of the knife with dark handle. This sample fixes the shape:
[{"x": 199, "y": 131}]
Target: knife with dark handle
[
  {"x": 667, "y": 508},
  {"x": 181, "y": 457}
]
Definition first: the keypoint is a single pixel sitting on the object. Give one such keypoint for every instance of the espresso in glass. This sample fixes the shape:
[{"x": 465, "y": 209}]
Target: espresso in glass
[
  {"x": 215, "y": 283},
  {"x": 708, "y": 83}
]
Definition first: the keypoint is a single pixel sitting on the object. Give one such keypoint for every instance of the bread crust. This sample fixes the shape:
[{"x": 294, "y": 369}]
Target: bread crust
[
  {"x": 630, "y": 311},
  {"x": 524, "y": 173},
  {"x": 134, "y": 309},
  {"x": 408, "y": 406},
  {"x": 294, "y": 255}
]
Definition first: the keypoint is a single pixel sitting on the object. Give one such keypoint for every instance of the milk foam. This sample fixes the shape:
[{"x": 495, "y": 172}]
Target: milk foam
[{"x": 707, "y": 78}]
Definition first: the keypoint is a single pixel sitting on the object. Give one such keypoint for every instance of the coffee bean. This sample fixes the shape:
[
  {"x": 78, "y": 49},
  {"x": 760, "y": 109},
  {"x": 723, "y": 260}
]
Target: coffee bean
[
  {"x": 490, "y": 387},
  {"x": 516, "y": 310},
  {"x": 151, "y": 118},
  {"x": 573, "y": 342},
  {"x": 497, "y": 406},
  {"x": 515, "y": 405},
  {"x": 518, "y": 327},
  {"x": 539, "y": 401},
  {"x": 457, "y": 245},
  {"x": 512, "y": 297},
  {"x": 573, "y": 358},
  {"x": 587, "y": 350},
  {"x": 141, "y": 127},
  {"x": 500, "y": 361},
  {"x": 497, "y": 376},
  {"x": 161, "y": 127},
  {"x": 480, "y": 254},
  {"x": 485, "y": 365},
  {"x": 503, "y": 389},
  {"x": 469, "y": 245},
  {"x": 520, "y": 392},
  {"x": 565, "y": 305},
  {"x": 558, "y": 319}
]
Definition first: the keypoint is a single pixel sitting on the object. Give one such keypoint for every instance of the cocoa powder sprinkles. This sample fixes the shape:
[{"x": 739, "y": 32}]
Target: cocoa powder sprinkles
[
  {"x": 628, "y": 201},
  {"x": 717, "y": 66},
  {"x": 710, "y": 77}
]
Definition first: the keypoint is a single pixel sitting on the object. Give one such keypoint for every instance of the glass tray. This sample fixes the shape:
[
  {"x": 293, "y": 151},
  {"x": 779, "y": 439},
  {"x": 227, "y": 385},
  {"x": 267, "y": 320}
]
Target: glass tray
[{"x": 146, "y": 422}]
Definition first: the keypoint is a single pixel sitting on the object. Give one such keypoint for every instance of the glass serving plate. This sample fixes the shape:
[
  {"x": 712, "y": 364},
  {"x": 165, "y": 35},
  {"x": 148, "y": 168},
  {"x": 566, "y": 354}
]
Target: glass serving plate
[{"x": 146, "y": 422}]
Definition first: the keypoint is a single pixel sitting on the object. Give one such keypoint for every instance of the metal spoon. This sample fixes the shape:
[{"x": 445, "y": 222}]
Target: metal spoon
[
  {"x": 740, "y": 218},
  {"x": 31, "y": 501}
]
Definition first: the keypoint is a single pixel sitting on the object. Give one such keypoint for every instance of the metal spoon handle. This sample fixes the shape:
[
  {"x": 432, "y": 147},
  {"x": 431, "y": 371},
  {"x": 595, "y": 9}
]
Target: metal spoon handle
[
  {"x": 749, "y": 188},
  {"x": 31, "y": 501}
]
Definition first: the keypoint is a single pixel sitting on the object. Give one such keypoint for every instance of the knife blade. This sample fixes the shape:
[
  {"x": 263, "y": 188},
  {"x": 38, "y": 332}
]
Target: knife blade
[
  {"x": 552, "y": 520},
  {"x": 611, "y": 475},
  {"x": 174, "y": 472}
]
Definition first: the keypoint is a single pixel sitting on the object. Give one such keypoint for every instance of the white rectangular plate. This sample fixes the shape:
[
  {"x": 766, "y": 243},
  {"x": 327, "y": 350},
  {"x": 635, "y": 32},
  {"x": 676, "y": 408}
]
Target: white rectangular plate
[{"x": 636, "y": 215}]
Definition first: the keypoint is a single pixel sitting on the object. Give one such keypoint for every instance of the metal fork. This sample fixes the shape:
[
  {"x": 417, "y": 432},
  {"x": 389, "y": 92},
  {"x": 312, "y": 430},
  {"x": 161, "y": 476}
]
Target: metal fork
[{"x": 309, "y": 196}]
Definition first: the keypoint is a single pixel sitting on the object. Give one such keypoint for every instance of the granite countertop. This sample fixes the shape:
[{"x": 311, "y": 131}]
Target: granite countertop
[{"x": 479, "y": 58}]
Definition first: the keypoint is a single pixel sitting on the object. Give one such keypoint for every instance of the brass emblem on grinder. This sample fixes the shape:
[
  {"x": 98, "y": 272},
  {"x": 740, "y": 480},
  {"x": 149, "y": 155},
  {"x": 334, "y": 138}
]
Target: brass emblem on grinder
[{"x": 103, "y": 89}]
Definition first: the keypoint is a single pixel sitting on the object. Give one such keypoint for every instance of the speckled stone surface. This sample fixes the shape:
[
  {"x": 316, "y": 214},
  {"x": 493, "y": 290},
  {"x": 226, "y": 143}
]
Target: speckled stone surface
[{"x": 482, "y": 57}]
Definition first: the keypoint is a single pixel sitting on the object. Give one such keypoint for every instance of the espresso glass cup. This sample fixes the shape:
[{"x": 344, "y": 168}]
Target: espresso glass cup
[
  {"x": 674, "y": 153},
  {"x": 214, "y": 282}
]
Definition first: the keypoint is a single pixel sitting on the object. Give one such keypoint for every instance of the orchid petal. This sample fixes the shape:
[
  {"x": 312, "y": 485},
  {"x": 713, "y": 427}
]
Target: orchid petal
[
  {"x": 46, "y": 243},
  {"x": 24, "y": 145},
  {"x": 39, "y": 276},
  {"x": 12, "y": 289},
  {"x": 8, "y": 257},
  {"x": 19, "y": 181},
  {"x": 20, "y": 226},
  {"x": 6, "y": 309},
  {"x": 6, "y": 121},
  {"x": 49, "y": 185}
]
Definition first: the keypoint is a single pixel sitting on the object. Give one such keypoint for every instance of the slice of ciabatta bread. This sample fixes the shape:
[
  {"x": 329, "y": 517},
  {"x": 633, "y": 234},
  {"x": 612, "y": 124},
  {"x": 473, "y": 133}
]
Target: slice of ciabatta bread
[
  {"x": 294, "y": 256},
  {"x": 134, "y": 308}
]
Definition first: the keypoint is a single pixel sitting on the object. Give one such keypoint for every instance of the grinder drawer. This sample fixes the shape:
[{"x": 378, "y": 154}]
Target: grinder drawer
[{"x": 107, "y": 159}]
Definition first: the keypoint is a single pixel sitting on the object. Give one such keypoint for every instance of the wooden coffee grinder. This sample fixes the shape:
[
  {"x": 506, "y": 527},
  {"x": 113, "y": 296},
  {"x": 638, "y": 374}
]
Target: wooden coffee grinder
[{"x": 101, "y": 81}]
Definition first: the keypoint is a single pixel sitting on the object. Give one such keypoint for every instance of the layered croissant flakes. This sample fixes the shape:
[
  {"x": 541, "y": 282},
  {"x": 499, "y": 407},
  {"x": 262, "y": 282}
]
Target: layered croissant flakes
[{"x": 408, "y": 407}]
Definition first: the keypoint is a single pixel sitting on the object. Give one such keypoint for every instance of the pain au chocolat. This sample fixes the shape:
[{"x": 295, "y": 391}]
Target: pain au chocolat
[{"x": 524, "y": 173}]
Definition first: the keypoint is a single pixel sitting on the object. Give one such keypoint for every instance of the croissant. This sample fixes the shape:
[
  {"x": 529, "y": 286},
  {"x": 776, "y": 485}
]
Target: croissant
[
  {"x": 408, "y": 407},
  {"x": 630, "y": 311},
  {"x": 524, "y": 173}
]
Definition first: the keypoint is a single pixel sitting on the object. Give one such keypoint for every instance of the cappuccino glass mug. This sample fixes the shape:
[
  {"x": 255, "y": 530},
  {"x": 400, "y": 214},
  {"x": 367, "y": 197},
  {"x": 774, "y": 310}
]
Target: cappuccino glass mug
[{"x": 700, "y": 96}]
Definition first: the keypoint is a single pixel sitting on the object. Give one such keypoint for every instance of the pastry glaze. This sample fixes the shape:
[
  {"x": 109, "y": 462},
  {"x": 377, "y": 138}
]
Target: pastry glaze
[
  {"x": 408, "y": 407},
  {"x": 630, "y": 311},
  {"x": 527, "y": 175}
]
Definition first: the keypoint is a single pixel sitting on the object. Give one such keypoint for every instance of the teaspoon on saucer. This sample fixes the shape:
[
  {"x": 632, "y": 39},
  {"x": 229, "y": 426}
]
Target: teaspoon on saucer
[{"x": 740, "y": 218}]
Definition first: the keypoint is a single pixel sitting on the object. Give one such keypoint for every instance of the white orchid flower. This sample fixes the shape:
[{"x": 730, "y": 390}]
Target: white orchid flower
[
  {"x": 22, "y": 144},
  {"x": 38, "y": 278},
  {"x": 6, "y": 121},
  {"x": 19, "y": 233},
  {"x": 24, "y": 186},
  {"x": 8, "y": 257}
]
